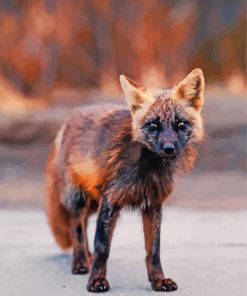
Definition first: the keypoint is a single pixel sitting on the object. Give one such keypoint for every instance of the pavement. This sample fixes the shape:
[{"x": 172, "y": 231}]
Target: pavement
[{"x": 205, "y": 252}]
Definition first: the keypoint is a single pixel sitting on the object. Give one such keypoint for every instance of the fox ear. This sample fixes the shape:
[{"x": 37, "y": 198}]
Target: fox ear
[
  {"x": 135, "y": 94},
  {"x": 191, "y": 89}
]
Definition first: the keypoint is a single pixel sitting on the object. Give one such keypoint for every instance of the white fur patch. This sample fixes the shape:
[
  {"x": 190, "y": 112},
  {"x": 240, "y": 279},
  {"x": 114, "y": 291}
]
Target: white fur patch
[{"x": 58, "y": 141}]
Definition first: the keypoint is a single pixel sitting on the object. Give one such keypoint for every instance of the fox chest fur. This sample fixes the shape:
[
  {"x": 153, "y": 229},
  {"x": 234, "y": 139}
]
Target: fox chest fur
[{"x": 136, "y": 176}]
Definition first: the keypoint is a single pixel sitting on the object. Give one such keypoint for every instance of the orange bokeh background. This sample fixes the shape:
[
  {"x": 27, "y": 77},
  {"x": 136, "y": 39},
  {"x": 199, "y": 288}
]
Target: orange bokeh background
[{"x": 48, "y": 45}]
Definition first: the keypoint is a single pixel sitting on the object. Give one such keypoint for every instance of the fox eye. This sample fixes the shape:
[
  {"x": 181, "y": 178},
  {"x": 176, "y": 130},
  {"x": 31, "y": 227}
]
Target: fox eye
[
  {"x": 153, "y": 126},
  {"x": 181, "y": 125}
]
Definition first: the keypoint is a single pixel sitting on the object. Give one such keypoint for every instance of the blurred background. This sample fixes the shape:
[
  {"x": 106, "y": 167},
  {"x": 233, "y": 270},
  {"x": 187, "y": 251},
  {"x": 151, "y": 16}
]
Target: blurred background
[{"x": 57, "y": 54}]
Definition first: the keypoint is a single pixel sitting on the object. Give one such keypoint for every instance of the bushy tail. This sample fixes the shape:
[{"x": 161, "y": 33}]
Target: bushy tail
[{"x": 58, "y": 216}]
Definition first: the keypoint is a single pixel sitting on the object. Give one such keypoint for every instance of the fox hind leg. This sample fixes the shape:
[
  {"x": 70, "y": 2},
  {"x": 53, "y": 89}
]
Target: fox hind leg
[
  {"x": 78, "y": 204},
  {"x": 81, "y": 256}
]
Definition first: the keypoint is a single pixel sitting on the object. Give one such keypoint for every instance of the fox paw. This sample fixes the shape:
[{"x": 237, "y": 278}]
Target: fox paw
[
  {"x": 79, "y": 268},
  {"x": 98, "y": 285},
  {"x": 164, "y": 285}
]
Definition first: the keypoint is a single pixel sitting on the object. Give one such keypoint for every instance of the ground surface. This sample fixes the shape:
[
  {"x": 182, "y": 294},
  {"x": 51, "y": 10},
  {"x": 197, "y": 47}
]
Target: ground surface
[{"x": 205, "y": 252}]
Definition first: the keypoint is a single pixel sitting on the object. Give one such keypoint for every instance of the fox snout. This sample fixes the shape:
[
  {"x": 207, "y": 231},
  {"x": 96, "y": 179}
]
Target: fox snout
[
  {"x": 167, "y": 150},
  {"x": 167, "y": 144}
]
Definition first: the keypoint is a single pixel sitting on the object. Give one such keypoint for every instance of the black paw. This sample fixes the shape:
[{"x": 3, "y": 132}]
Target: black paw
[
  {"x": 79, "y": 268},
  {"x": 164, "y": 285},
  {"x": 98, "y": 285}
]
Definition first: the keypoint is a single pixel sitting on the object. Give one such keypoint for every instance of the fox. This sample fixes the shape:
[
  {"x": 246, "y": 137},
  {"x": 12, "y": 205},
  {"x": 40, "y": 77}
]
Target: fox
[{"x": 107, "y": 157}]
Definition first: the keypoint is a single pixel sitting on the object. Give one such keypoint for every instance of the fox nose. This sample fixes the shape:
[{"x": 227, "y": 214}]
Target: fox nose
[{"x": 169, "y": 150}]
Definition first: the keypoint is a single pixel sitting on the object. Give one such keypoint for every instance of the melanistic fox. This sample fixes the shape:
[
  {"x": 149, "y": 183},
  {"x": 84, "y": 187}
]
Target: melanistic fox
[{"x": 111, "y": 156}]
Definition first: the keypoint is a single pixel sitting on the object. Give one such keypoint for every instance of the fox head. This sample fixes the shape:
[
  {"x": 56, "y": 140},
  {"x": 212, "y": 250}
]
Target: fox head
[{"x": 167, "y": 121}]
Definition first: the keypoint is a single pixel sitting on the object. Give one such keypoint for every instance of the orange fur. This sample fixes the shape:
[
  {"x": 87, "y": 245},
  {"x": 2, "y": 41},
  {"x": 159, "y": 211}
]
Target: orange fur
[
  {"x": 87, "y": 175},
  {"x": 58, "y": 216}
]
